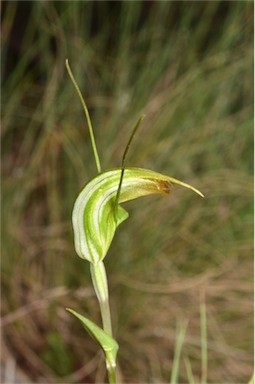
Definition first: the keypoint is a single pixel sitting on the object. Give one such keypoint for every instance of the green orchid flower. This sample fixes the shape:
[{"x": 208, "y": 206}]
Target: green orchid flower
[{"x": 95, "y": 218}]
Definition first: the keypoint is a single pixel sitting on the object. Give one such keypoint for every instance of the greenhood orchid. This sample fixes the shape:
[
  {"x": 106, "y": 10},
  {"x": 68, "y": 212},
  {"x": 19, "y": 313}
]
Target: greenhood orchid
[{"x": 96, "y": 215}]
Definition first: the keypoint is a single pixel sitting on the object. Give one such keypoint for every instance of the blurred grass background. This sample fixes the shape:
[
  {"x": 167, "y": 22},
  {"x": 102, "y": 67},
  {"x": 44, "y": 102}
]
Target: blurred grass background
[{"x": 189, "y": 67}]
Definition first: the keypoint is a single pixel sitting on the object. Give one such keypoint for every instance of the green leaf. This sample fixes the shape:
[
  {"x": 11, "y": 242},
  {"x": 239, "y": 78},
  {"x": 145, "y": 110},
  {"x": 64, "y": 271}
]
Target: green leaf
[
  {"x": 108, "y": 344},
  {"x": 95, "y": 218}
]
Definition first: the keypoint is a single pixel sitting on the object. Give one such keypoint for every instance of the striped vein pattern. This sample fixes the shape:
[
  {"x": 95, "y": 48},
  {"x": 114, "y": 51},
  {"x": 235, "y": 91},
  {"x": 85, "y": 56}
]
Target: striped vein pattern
[{"x": 94, "y": 217}]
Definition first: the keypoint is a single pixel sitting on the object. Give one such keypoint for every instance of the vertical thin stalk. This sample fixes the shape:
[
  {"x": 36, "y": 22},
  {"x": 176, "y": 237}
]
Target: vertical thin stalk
[
  {"x": 111, "y": 370},
  {"x": 99, "y": 280},
  {"x": 190, "y": 376},
  {"x": 106, "y": 316},
  {"x": 203, "y": 343},
  {"x": 177, "y": 352}
]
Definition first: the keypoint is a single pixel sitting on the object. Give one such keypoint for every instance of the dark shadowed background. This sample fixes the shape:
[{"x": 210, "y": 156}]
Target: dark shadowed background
[{"x": 188, "y": 66}]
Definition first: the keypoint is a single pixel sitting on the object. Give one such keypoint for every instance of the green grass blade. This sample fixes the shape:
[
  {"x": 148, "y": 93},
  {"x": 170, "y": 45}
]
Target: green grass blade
[
  {"x": 181, "y": 330},
  {"x": 203, "y": 343},
  {"x": 189, "y": 370}
]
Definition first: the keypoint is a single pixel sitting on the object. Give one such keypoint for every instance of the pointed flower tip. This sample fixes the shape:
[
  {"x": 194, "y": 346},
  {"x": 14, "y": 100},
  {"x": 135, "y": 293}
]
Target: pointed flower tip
[
  {"x": 175, "y": 181},
  {"x": 196, "y": 190},
  {"x": 200, "y": 193}
]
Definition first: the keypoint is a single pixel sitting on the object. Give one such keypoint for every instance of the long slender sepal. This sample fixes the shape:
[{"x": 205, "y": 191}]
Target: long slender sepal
[
  {"x": 91, "y": 132},
  {"x": 124, "y": 160}
]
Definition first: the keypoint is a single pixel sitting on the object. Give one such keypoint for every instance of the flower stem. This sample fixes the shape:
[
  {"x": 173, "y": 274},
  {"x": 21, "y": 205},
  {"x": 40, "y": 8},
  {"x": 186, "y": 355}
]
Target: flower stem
[
  {"x": 111, "y": 375},
  {"x": 99, "y": 280}
]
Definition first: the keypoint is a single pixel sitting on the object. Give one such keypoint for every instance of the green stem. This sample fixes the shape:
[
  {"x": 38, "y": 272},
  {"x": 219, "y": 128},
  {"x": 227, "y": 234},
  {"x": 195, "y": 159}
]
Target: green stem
[
  {"x": 111, "y": 370},
  {"x": 99, "y": 280}
]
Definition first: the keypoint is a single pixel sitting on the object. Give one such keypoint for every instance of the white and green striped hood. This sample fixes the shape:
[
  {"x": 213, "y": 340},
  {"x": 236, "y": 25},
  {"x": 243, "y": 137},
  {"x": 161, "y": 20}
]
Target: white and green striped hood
[{"x": 95, "y": 218}]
